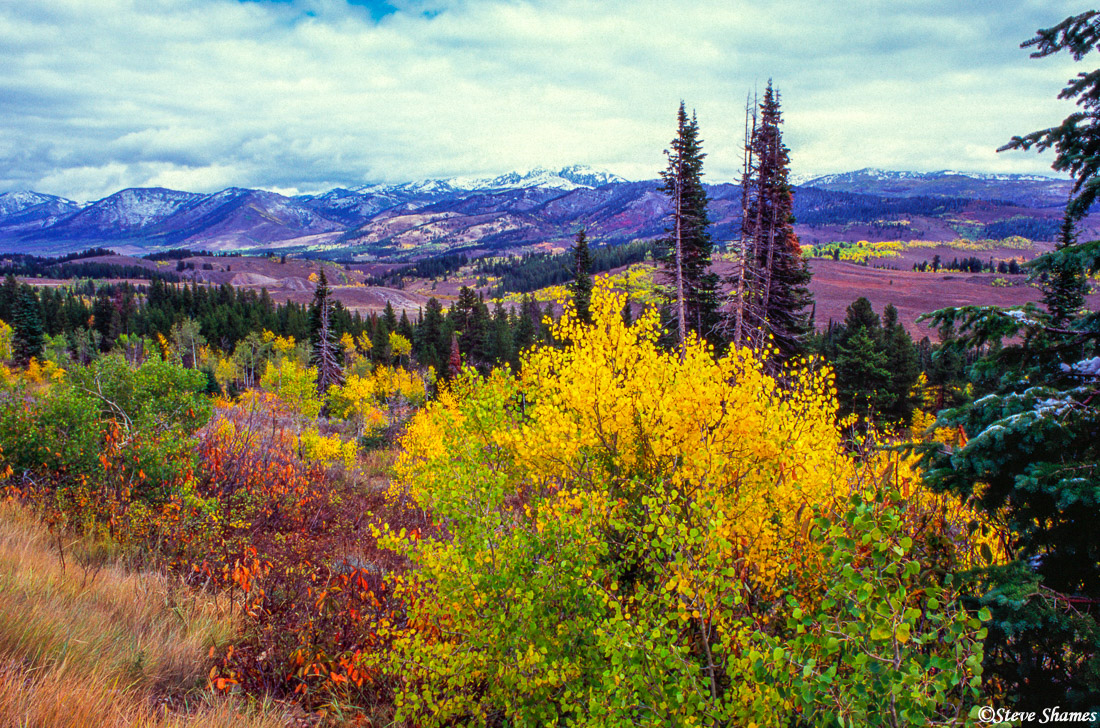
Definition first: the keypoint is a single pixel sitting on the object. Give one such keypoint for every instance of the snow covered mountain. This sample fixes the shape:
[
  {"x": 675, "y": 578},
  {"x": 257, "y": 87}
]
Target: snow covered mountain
[
  {"x": 238, "y": 217},
  {"x": 564, "y": 179},
  {"x": 510, "y": 211},
  {"x": 15, "y": 202},
  {"x": 124, "y": 213},
  {"x": 24, "y": 210}
]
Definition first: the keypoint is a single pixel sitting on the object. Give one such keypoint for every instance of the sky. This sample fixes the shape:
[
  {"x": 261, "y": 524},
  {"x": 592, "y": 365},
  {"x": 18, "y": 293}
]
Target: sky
[{"x": 300, "y": 96}]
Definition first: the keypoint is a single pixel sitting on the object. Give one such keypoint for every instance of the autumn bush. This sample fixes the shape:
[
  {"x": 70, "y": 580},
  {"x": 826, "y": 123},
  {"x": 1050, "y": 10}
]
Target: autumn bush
[
  {"x": 102, "y": 448},
  {"x": 290, "y": 544},
  {"x": 631, "y": 537}
]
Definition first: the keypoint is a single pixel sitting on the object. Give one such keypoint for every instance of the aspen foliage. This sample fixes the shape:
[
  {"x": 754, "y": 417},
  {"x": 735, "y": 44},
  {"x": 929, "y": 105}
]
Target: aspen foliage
[
  {"x": 371, "y": 400},
  {"x": 625, "y": 537},
  {"x": 327, "y": 449},
  {"x": 294, "y": 385},
  {"x": 6, "y": 332}
]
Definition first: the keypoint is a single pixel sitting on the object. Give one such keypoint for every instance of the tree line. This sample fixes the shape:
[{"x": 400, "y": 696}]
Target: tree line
[{"x": 972, "y": 264}]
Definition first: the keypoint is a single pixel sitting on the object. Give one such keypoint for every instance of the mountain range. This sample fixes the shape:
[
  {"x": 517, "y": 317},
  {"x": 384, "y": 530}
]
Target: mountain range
[{"x": 539, "y": 209}]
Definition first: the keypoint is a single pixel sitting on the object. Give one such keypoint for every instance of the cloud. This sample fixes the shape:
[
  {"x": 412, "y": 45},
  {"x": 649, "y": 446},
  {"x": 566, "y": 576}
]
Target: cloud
[{"x": 309, "y": 94}]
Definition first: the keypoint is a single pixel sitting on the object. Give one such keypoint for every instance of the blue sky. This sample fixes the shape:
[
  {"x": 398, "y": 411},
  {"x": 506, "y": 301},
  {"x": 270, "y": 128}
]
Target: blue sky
[{"x": 305, "y": 95}]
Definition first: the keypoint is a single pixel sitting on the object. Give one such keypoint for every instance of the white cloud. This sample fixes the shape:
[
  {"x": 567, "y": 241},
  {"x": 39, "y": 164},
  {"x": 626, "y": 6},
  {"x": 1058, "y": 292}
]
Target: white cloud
[{"x": 201, "y": 94}]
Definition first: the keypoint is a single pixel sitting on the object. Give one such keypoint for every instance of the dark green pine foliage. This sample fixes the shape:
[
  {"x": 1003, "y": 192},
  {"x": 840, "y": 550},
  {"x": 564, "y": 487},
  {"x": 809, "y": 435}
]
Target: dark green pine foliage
[
  {"x": 432, "y": 339},
  {"x": 862, "y": 376},
  {"x": 8, "y": 293},
  {"x": 405, "y": 327},
  {"x": 901, "y": 363},
  {"x": 1033, "y": 454},
  {"x": 532, "y": 271},
  {"x": 876, "y": 363},
  {"x": 1076, "y": 140},
  {"x": 582, "y": 278},
  {"x": 323, "y": 350},
  {"x": 502, "y": 347},
  {"x": 380, "y": 338},
  {"x": 1063, "y": 280},
  {"x": 686, "y": 252},
  {"x": 470, "y": 319},
  {"x": 390, "y": 317},
  {"x": 525, "y": 327},
  {"x": 777, "y": 277},
  {"x": 26, "y": 321}
]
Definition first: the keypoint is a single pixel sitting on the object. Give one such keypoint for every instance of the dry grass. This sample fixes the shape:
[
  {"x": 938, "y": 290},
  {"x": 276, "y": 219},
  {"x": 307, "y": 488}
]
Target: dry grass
[{"x": 102, "y": 646}]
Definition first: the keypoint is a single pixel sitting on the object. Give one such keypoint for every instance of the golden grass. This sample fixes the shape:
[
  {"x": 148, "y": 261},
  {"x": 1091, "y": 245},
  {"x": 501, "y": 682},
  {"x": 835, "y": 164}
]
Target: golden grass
[{"x": 103, "y": 646}]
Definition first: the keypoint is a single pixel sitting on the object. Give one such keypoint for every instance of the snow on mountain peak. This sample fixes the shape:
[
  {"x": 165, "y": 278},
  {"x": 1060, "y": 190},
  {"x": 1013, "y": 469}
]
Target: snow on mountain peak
[
  {"x": 137, "y": 207},
  {"x": 13, "y": 202},
  {"x": 564, "y": 179}
]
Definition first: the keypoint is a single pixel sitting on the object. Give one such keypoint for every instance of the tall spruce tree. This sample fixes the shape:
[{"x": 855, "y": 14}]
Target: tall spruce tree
[
  {"x": 862, "y": 376},
  {"x": 1032, "y": 457},
  {"x": 901, "y": 362},
  {"x": 431, "y": 340},
  {"x": 26, "y": 320},
  {"x": 692, "y": 293},
  {"x": 1063, "y": 282},
  {"x": 322, "y": 339},
  {"x": 770, "y": 285},
  {"x": 582, "y": 278}
]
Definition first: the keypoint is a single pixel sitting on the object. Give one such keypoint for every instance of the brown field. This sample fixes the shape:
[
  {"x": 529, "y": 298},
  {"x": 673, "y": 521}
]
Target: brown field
[{"x": 836, "y": 284}]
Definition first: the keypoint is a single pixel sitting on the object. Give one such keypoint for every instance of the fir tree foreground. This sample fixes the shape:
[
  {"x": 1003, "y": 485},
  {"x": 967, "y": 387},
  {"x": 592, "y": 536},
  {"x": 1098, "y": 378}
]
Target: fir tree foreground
[{"x": 1032, "y": 457}]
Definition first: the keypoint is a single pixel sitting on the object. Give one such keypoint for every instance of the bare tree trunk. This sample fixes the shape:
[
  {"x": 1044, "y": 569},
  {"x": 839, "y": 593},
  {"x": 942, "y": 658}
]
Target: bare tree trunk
[
  {"x": 759, "y": 283},
  {"x": 746, "y": 181},
  {"x": 767, "y": 287},
  {"x": 329, "y": 373},
  {"x": 681, "y": 318}
]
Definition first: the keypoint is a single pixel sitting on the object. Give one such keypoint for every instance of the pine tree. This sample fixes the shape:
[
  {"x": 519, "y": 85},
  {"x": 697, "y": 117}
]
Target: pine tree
[
  {"x": 9, "y": 292},
  {"x": 1032, "y": 458},
  {"x": 770, "y": 286},
  {"x": 390, "y": 317},
  {"x": 500, "y": 333},
  {"x": 901, "y": 363},
  {"x": 862, "y": 376},
  {"x": 527, "y": 325},
  {"x": 323, "y": 351},
  {"x": 692, "y": 300},
  {"x": 404, "y": 326},
  {"x": 26, "y": 320},
  {"x": 431, "y": 340},
  {"x": 582, "y": 278},
  {"x": 1064, "y": 283}
]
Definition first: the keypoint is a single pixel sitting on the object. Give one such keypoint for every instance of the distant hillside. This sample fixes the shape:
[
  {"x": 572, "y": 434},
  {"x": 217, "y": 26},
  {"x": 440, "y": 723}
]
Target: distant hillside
[
  {"x": 540, "y": 209},
  {"x": 1024, "y": 190}
]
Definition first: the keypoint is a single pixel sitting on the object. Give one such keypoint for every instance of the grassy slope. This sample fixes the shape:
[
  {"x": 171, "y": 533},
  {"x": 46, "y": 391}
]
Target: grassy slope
[{"x": 103, "y": 648}]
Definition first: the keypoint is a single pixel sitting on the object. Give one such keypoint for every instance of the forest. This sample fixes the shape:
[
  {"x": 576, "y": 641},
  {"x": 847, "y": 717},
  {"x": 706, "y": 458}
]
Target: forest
[{"x": 703, "y": 510}]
